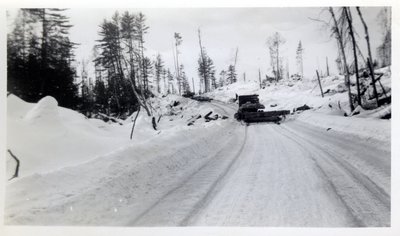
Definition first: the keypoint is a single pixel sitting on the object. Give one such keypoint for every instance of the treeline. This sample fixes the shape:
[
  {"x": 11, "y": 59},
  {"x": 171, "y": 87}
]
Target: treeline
[
  {"x": 40, "y": 56},
  {"x": 40, "y": 61},
  {"x": 125, "y": 78}
]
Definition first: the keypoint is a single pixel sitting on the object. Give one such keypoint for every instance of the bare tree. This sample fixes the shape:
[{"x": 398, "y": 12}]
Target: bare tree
[
  {"x": 385, "y": 49},
  {"x": 274, "y": 42},
  {"x": 299, "y": 59},
  {"x": 202, "y": 61},
  {"x": 349, "y": 19},
  {"x": 338, "y": 32},
  {"x": 366, "y": 33},
  {"x": 370, "y": 60},
  {"x": 178, "y": 41}
]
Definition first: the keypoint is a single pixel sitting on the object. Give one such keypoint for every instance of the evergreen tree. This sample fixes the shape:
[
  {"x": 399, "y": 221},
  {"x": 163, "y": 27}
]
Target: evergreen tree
[
  {"x": 299, "y": 59},
  {"x": 40, "y": 55},
  {"x": 121, "y": 54},
  {"x": 184, "y": 80},
  {"x": 222, "y": 78},
  {"x": 158, "y": 67},
  {"x": 171, "y": 88},
  {"x": 231, "y": 74},
  {"x": 206, "y": 71}
]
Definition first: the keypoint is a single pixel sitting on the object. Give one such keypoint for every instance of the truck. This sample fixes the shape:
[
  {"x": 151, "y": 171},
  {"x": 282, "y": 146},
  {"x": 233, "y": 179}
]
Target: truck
[{"x": 251, "y": 110}]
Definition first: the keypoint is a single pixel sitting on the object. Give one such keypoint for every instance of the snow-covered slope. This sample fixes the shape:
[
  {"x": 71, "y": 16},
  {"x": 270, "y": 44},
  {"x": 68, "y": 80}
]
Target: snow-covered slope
[
  {"x": 46, "y": 137},
  {"x": 291, "y": 93},
  {"x": 326, "y": 112}
]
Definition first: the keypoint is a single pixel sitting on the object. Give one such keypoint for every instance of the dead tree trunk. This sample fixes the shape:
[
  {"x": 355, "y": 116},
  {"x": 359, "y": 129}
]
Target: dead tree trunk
[
  {"x": 327, "y": 67},
  {"x": 259, "y": 77},
  {"x": 343, "y": 53},
  {"x": 134, "y": 122},
  {"x": 371, "y": 69},
  {"x": 319, "y": 83},
  {"x": 153, "y": 121},
  {"x": 353, "y": 40},
  {"x": 368, "y": 44},
  {"x": 383, "y": 88},
  {"x": 203, "y": 61},
  {"x": 17, "y": 167}
]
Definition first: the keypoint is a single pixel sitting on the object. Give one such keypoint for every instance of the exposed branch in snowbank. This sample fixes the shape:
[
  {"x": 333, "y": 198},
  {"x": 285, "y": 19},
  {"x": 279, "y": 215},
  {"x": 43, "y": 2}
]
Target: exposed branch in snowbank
[
  {"x": 134, "y": 122},
  {"x": 115, "y": 120},
  {"x": 17, "y": 167},
  {"x": 153, "y": 121}
]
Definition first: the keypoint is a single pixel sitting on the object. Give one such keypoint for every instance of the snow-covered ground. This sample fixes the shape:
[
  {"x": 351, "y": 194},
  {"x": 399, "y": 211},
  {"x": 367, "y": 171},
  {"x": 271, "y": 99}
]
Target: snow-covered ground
[
  {"x": 47, "y": 137},
  {"x": 318, "y": 168},
  {"x": 327, "y": 111}
]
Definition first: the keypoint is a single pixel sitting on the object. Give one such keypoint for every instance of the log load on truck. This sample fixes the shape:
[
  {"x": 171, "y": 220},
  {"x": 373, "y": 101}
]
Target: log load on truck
[{"x": 251, "y": 110}]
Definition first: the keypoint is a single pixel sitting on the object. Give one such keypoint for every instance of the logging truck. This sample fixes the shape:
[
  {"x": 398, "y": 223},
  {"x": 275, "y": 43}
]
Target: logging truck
[{"x": 251, "y": 110}]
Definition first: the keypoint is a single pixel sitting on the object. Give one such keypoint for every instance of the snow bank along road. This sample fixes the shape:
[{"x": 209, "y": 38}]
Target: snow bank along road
[{"x": 265, "y": 174}]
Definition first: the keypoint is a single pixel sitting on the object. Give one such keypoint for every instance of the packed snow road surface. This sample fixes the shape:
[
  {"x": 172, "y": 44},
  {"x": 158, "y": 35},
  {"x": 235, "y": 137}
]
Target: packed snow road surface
[
  {"x": 230, "y": 174},
  {"x": 291, "y": 175}
]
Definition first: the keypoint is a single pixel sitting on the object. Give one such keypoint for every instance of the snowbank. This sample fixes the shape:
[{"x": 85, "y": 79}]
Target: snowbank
[
  {"x": 364, "y": 128},
  {"x": 46, "y": 137}
]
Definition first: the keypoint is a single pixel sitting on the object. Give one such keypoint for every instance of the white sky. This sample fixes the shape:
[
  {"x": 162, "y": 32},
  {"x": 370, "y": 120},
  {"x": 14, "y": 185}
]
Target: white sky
[{"x": 224, "y": 29}]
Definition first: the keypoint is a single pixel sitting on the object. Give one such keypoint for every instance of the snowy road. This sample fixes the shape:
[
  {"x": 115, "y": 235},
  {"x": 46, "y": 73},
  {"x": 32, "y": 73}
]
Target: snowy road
[
  {"x": 291, "y": 175},
  {"x": 287, "y": 175},
  {"x": 259, "y": 175}
]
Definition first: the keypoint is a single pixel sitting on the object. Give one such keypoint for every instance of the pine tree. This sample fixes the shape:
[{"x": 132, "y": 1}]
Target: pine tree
[
  {"x": 231, "y": 74},
  {"x": 299, "y": 59},
  {"x": 222, "y": 78},
  {"x": 40, "y": 57},
  {"x": 170, "y": 77},
  {"x": 206, "y": 71},
  {"x": 178, "y": 41},
  {"x": 158, "y": 67},
  {"x": 165, "y": 82},
  {"x": 121, "y": 54},
  {"x": 185, "y": 81}
]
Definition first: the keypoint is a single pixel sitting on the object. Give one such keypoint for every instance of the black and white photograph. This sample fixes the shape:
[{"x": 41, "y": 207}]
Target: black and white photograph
[{"x": 254, "y": 117}]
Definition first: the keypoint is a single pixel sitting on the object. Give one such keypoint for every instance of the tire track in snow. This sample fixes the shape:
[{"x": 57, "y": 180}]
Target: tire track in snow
[
  {"x": 166, "y": 202},
  {"x": 202, "y": 203},
  {"x": 368, "y": 203},
  {"x": 375, "y": 189},
  {"x": 223, "y": 106},
  {"x": 372, "y": 159},
  {"x": 273, "y": 184}
]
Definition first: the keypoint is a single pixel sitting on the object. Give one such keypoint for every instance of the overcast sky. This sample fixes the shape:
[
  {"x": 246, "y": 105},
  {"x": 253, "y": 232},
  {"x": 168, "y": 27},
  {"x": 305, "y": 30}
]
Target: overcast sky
[{"x": 225, "y": 29}]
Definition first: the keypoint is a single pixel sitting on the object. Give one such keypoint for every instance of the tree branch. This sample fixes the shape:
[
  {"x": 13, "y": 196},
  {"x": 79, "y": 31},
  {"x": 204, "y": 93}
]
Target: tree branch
[{"x": 17, "y": 167}]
